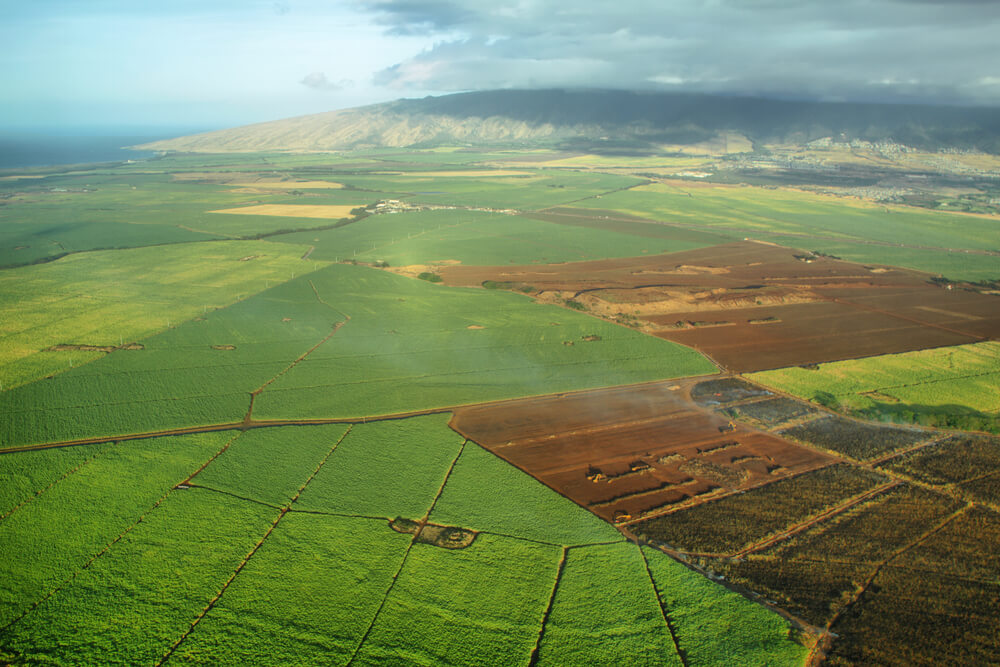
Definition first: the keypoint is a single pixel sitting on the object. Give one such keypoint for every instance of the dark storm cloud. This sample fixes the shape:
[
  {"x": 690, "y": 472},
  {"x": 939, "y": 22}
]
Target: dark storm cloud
[{"x": 894, "y": 50}]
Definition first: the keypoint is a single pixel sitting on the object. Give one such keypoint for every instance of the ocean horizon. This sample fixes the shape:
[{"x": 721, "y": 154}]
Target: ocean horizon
[{"x": 44, "y": 147}]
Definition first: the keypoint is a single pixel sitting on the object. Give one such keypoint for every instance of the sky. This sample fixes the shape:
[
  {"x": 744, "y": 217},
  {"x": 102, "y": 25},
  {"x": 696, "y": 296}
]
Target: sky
[{"x": 221, "y": 63}]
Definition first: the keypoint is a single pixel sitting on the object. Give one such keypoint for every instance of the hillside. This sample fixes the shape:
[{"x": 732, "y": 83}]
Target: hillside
[{"x": 592, "y": 119}]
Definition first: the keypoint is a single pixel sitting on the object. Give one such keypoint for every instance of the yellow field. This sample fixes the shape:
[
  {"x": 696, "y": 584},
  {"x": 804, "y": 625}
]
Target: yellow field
[
  {"x": 108, "y": 297},
  {"x": 290, "y": 185},
  {"x": 478, "y": 173},
  {"x": 295, "y": 210}
]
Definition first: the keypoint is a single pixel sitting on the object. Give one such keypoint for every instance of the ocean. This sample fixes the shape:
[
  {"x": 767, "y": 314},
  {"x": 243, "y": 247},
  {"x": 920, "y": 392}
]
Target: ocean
[{"x": 40, "y": 147}]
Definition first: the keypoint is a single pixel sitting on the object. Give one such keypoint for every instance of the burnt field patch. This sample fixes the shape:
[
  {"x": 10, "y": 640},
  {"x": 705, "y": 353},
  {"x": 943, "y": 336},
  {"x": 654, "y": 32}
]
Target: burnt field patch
[
  {"x": 772, "y": 412},
  {"x": 856, "y": 439},
  {"x": 632, "y": 452}
]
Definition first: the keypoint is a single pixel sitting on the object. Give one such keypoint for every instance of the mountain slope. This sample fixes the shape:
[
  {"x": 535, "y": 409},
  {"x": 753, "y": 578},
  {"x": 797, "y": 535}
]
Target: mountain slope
[{"x": 571, "y": 118}]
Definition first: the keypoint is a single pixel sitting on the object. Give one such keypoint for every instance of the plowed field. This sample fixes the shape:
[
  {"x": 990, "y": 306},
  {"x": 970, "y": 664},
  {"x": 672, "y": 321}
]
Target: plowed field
[
  {"x": 766, "y": 337},
  {"x": 753, "y": 306},
  {"x": 632, "y": 451}
]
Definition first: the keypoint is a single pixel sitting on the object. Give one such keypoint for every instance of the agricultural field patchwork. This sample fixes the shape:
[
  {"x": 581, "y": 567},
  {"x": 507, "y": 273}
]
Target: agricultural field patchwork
[
  {"x": 482, "y": 420},
  {"x": 373, "y": 589}
]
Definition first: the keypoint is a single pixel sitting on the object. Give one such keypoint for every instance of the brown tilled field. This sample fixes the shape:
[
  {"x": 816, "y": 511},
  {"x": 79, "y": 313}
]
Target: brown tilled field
[
  {"x": 754, "y": 339},
  {"x": 633, "y": 451},
  {"x": 753, "y": 306}
]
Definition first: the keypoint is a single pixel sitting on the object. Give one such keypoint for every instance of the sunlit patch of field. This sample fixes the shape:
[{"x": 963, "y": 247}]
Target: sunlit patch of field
[
  {"x": 289, "y": 185},
  {"x": 329, "y": 212},
  {"x": 113, "y": 297}
]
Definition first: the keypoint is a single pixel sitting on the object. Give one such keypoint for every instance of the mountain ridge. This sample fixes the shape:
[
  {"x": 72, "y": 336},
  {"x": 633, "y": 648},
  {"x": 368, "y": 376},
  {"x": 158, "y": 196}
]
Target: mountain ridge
[{"x": 627, "y": 120}]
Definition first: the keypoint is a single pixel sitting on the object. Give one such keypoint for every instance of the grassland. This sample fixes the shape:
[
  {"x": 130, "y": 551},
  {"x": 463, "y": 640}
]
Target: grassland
[
  {"x": 107, "y": 298},
  {"x": 474, "y": 237},
  {"x": 950, "y": 386}
]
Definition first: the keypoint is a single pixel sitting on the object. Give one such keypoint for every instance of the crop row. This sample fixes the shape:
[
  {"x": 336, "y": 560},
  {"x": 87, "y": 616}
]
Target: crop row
[{"x": 733, "y": 522}]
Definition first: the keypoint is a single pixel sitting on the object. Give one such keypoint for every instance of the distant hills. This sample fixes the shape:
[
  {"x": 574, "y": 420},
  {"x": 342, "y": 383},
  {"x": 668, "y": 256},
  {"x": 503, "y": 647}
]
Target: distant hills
[{"x": 604, "y": 120}]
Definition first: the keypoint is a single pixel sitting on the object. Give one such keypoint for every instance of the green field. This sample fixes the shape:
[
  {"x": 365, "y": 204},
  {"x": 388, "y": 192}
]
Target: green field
[
  {"x": 949, "y": 386},
  {"x": 474, "y": 237},
  {"x": 107, "y": 298},
  {"x": 277, "y": 482}
]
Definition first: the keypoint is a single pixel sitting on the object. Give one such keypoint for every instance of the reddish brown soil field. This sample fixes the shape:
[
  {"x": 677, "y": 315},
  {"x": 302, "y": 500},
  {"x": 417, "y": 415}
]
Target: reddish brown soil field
[
  {"x": 729, "y": 266},
  {"x": 635, "y": 451},
  {"x": 752, "y": 306},
  {"x": 799, "y": 334}
]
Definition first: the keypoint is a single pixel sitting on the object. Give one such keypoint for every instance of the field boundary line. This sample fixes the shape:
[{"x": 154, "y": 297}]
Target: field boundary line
[
  {"x": 211, "y": 604},
  {"x": 253, "y": 394},
  {"x": 663, "y": 610},
  {"x": 230, "y": 494},
  {"x": 911, "y": 320},
  {"x": 533, "y": 658},
  {"x": 341, "y": 515},
  {"x": 863, "y": 587},
  {"x": 108, "y": 546},
  {"x": 815, "y": 519},
  {"x": 41, "y": 491},
  {"x": 936, "y": 440},
  {"x": 319, "y": 466},
  {"x": 267, "y": 423},
  {"x": 406, "y": 555},
  {"x": 523, "y": 539}
]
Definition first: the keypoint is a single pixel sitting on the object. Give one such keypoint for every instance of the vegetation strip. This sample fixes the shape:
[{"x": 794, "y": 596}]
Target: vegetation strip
[
  {"x": 215, "y": 600},
  {"x": 533, "y": 660},
  {"x": 402, "y": 562},
  {"x": 663, "y": 610},
  {"x": 52, "y": 484}
]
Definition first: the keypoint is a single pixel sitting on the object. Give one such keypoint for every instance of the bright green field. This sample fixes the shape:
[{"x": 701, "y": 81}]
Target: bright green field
[
  {"x": 959, "y": 381},
  {"x": 109, "y": 297},
  {"x": 408, "y": 345},
  {"x": 805, "y": 220},
  {"x": 474, "y": 237}
]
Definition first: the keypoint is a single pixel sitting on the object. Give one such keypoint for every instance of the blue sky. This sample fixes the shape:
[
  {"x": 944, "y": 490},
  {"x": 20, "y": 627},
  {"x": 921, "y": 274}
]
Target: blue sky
[{"x": 217, "y": 63}]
